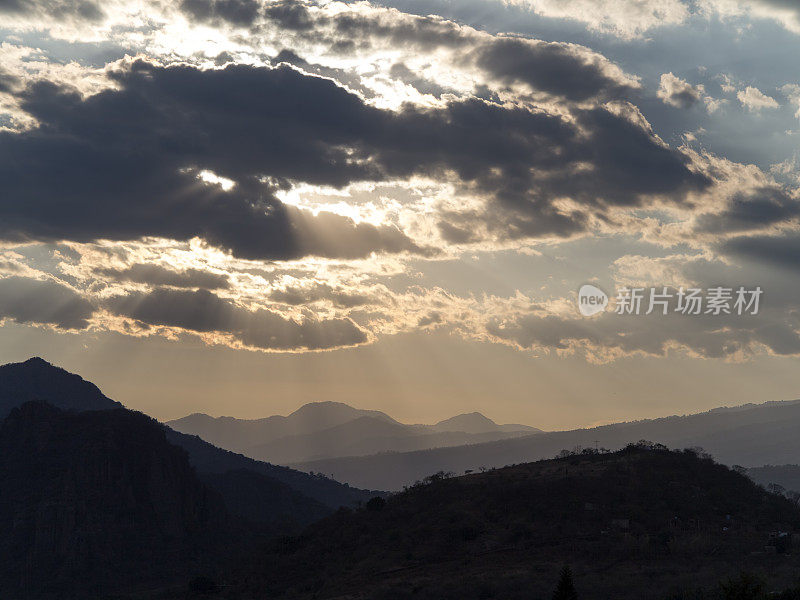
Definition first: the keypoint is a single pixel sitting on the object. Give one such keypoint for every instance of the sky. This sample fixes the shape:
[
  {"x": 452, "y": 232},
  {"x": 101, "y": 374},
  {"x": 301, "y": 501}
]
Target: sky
[{"x": 239, "y": 206}]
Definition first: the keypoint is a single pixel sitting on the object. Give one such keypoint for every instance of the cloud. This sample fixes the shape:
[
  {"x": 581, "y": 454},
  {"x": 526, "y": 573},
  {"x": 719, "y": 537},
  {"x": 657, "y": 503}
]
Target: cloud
[
  {"x": 792, "y": 92},
  {"x": 157, "y": 275},
  {"x": 306, "y": 294},
  {"x": 755, "y": 100},
  {"x": 785, "y": 12},
  {"x": 568, "y": 71},
  {"x": 56, "y": 9},
  {"x": 237, "y": 12},
  {"x": 624, "y": 18},
  {"x": 751, "y": 210},
  {"x": 202, "y": 311},
  {"x": 611, "y": 336},
  {"x": 678, "y": 92},
  {"x": 778, "y": 250},
  {"x": 27, "y": 300},
  {"x": 126, "y": 163}
]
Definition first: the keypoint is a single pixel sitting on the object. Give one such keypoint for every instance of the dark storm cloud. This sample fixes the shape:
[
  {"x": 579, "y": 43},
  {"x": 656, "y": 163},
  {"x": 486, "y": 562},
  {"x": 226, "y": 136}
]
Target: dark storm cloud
[
  {"x": 781, "y": 251},
  {"x": 157, "y": 275},
  {"x": 27, "y": 300},
  {"x": 204, "y": 312},
  {"x": 551, "y": 67},
  {"x": 751, "y": 210},
  {"x": 124, "y": 163}
]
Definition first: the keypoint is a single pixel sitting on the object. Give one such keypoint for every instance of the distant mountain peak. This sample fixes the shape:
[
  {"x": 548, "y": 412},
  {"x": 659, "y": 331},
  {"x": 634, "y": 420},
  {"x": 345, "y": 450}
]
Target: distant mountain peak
[
  {"x": 473, "y": 422},
  {"x": 473, "y": 416},
  {"x": 36, "y": 360},
  {"x": 330, "y": 406}
]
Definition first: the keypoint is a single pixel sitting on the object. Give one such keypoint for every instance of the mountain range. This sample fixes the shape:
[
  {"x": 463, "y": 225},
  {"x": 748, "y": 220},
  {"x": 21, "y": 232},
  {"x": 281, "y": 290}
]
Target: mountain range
[
  {"x": 98, "y": 501},
  {"x": 333, "y": 429},
  {"x": 752, "y": 435},
  {"x": 90, "y": 490}
]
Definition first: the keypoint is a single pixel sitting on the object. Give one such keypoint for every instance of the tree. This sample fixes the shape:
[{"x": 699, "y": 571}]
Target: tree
[
  {"x": 746, "y": 587},
  {"x": 565, "y": 590},
  {"x": 376, "y": 503}
]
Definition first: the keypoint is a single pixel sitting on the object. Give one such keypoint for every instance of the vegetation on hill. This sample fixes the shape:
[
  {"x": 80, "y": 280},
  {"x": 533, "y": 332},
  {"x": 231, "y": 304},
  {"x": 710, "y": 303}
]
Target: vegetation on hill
[{"x": 644, "y": 522}]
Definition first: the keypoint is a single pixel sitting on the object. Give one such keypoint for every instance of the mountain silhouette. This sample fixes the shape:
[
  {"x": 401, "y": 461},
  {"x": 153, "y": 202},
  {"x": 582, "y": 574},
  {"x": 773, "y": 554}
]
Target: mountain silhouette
[
  {"x": 475, "y": 422},
  {"x": 37, "y": 380},
  {"x": 322, "y": 430},
  {"x": 751, "y": 436},
  {"x": 241, "y": 434},
  {"x": 640, "y": 523},
  {"x": 210, "y": 461},
  {"x": 97, "y": 501}
]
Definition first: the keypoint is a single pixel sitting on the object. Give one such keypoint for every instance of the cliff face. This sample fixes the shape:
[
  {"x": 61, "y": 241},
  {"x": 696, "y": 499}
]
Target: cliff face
[{"x": 97, "y": 500}]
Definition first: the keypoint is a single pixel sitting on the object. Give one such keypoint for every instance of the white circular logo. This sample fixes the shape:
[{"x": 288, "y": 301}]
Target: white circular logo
[{"x": 591, "y": 300}]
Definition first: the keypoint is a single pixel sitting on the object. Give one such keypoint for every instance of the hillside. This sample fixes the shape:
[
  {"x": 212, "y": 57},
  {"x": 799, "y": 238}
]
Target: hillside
[
  {"x": 750, "y": 435},
  {"x": 322, "y": 430},
  {"x": 209, "y": 460},
  {"x": 643, "y": 523},
  {"x": 96, "y": 501}
]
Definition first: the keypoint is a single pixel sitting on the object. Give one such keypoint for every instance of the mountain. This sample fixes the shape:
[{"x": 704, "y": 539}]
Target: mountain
[
  {"x": 332, "y": 429},
  {"x": 785, "y": 476},
  {"x": 750, "y": 435},
  {"x": 241, "y": 434},
  {"x": 99, "y": 501},
  {"x": 37, "y": 380},
  {"x": 477, "y": 423},
  {"x": 641, "y": 523},
  {"x": 363, "y": 436},
  {"x": 209, "y": 460}
]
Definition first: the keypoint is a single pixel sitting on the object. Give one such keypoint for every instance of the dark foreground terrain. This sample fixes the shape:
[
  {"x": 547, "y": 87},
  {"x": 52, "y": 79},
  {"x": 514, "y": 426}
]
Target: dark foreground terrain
[
  {"x": 99, "y": 502},
  {"x": 640, "y": 523}
]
